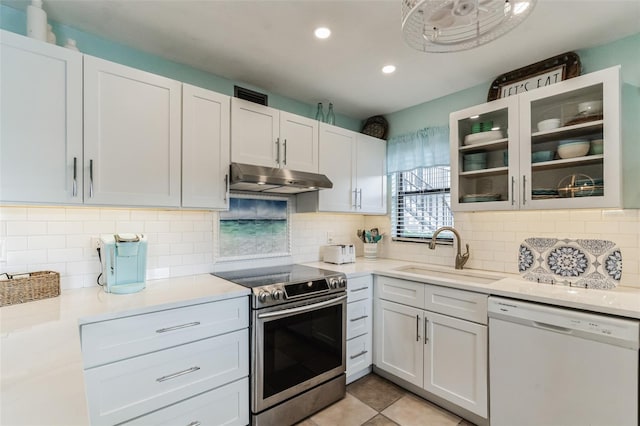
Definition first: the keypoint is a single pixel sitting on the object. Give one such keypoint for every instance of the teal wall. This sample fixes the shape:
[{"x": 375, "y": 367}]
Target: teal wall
[
  {"x": 625, "y": 52},
  {"x": 15, "y": 21}
]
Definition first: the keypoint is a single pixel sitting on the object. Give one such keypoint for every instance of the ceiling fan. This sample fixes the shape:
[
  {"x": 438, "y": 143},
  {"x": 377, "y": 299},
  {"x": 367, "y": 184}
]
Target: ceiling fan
[{"x": 454, "y": 25}]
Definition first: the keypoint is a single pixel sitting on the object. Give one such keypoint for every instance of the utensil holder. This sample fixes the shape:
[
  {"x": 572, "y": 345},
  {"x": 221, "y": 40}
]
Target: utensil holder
[{"x": 370, "y": 251}]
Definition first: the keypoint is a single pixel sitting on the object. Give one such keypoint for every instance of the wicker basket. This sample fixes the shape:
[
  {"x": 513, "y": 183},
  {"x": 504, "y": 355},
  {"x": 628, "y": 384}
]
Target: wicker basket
[
  {"x": 20, "y": 288},
  {"x": 376, "y": 126}
]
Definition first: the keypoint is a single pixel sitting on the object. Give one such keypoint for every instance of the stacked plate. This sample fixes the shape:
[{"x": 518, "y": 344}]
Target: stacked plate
[
  {"x": 478, "y": 198},
  {"x": 477, "y": 161},
  {"x": 484, "y": 126},
  {"x": 544, "y": 193}
]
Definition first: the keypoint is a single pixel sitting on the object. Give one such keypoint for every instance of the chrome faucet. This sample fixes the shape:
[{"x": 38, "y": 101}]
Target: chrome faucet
[{"x": 461, "y": 259}]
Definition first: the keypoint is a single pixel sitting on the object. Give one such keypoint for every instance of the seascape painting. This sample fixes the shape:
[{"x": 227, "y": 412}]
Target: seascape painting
[{"x": 254, "y": 227}]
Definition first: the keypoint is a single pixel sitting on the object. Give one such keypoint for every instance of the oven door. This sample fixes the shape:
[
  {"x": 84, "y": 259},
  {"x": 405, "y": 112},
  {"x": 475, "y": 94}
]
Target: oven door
[{"x": 296, "y": 347}]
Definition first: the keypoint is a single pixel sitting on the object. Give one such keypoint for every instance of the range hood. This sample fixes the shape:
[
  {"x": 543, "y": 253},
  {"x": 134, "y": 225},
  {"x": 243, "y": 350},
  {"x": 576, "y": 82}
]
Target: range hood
[{"x": 248, "y": 177}]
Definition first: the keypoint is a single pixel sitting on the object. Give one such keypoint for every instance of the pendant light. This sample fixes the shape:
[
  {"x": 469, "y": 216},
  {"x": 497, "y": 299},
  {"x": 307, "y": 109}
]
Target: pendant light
[{"x": 454, "y": 25}]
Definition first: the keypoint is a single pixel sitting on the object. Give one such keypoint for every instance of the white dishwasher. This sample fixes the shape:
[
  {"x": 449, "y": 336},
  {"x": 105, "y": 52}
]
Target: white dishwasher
[{"x": 553, "y": 366}]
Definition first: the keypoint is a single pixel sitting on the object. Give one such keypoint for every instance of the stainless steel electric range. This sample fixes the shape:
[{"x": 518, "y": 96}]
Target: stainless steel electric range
[{"x": 298, "y": 326}]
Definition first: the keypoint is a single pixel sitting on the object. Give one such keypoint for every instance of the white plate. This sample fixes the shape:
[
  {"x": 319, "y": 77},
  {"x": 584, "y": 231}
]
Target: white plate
[{"x": 475, "y": 138}]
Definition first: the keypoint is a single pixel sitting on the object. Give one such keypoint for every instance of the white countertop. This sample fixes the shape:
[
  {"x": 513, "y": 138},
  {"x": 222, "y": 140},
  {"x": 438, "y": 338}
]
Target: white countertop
[
  {"x": 42, "y": 380},
  {"x": 41, "y": 372}
]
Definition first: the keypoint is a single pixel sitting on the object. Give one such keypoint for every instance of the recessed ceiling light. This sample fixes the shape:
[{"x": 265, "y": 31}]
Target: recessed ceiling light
[
  {"x": 322, "y": 32},
  {"x": 388, "y": 69}
]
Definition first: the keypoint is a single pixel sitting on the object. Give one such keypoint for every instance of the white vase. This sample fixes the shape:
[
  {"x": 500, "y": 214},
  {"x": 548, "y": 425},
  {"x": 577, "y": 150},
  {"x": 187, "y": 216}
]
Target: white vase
[
  {"x": 36, "y": 21},
  {"x": 370, "y": 251}
]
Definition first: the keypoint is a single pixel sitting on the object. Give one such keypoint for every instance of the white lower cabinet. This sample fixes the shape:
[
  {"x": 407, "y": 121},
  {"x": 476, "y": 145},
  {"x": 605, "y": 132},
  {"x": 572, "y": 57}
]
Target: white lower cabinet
[
  {"x": 359, "y": 324},
  {"x": 226, "y": 405},
  {"x": 444, "y": 355},
  {"x": 201, "y": 380}
]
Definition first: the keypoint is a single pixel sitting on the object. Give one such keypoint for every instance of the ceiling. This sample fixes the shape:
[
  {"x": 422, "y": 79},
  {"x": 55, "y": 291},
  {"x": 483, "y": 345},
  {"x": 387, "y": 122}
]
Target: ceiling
[{"x": 270, "y": 44}]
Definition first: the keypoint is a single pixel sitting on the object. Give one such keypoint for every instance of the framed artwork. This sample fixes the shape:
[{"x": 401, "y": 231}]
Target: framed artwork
[{"x": 254, "y": 227}]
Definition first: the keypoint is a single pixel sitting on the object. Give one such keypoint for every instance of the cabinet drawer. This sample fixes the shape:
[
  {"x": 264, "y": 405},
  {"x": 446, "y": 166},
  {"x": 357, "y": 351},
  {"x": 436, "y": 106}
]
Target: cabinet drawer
[
  {"x": 401, "y": 291},
  {"x": 359, "y": 354},
  {"x": 123, "y": 390},
  {"x": 456, "y": 303},
  {"x": 113, "y": 340},
  {"x": 358, "y": 318},
  {"x": 227, "y": 405},
  {"x": 358, "y": 288}
]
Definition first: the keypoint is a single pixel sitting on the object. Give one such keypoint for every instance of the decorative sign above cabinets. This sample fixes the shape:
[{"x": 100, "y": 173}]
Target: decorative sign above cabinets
[{"x": 540, "y": 74}]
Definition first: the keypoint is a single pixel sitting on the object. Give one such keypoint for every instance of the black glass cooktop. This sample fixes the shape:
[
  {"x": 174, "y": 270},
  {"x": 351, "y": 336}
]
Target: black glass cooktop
[{"x": 283, "y": 274}]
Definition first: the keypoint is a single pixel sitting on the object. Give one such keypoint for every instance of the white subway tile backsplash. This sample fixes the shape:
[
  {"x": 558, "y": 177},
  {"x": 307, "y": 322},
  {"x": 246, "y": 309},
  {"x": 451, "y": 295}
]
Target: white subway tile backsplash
[
  {"x": 115, "y": 214},
  {"x": 97, "y": 227},
  {"x": 25, "y": 227},
  {"x": 46, "y": 241},
  {"x": 65, "y": 255},
  {"x": 82, "y": 214},
  {"x": 45, "y": 213},
  {"x": 26, "y": 257}
]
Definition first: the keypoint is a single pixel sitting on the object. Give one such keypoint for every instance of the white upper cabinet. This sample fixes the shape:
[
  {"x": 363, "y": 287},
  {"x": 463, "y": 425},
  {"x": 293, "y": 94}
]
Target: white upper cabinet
[
  {"x": 132, "y": 122},
  {"x": 371, "y": 176},
  {"x": 255, "y": 133},
  {"x": 265, "y": 136},
  {"x": 573, "y": 162},
  {"x": 356, "y": 165},
  {"x": 298, "y": 142},
  {"x": 40, "y": 122},
  {"x": 205, "y": 148},
  {"x": 338, "y": 163}
]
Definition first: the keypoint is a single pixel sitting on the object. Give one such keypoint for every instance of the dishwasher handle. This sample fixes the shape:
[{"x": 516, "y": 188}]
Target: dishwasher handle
[{"x": 552, "y": 327}]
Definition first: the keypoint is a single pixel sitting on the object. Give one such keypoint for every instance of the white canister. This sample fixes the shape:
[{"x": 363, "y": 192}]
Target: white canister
[
  {"x": 36, "y": 21},
  {"x": 370, "y": 251},
  {"x": 71, "y": 44},
  {"x": 51, "y": 37}
]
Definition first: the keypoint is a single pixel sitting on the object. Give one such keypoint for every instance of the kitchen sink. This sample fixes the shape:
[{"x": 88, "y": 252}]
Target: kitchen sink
[{"x": 476, "y": 277}]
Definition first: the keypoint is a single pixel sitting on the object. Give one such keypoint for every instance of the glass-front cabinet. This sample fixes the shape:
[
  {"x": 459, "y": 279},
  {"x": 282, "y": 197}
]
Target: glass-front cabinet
[{"x": 552, "y": 148}]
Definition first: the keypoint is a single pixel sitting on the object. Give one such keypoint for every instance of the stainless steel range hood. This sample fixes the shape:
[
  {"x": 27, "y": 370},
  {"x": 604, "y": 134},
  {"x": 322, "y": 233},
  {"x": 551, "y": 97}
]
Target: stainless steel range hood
[{"x": 247, "y": 177}]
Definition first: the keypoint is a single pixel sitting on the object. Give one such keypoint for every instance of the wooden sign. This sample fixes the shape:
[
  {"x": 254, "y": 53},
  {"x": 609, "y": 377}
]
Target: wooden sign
[{"x": 531, "y": 77}]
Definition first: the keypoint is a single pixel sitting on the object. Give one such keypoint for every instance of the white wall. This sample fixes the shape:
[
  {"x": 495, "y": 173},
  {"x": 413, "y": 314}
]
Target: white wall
[
  {"x": 494, "y": 237},
  {"x": 180, "y": 242}
]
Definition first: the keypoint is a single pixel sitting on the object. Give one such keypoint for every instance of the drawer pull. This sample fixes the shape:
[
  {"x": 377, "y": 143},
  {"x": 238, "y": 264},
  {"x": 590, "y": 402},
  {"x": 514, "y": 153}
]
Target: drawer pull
[
  {"x": 178, "y": 327},
  {"x": 178, "y": 374},
  {"x": 359, "y": 318},
  {"x": 357, "y": 355},
  {"x": 194, "y": 423},
  {"x": 358, "y": 289}
]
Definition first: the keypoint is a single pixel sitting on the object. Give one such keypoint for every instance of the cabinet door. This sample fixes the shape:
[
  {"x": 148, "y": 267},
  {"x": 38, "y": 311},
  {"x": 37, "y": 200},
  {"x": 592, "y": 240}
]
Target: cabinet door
[
  {"x": 456, "y": 361},
  {"x": 40, "y": 122},
  {"x": 398, "y": 340},
  {"x": 205, "y": 148},
  {"x": 371, "y": 174},
  {"x": 358, "y": 318},
  {"x": 338, "y": 162},
  {"x": 484, "y": 156},
  {"x": 298, "y": 142},
  {"x": 580, "y": 179},
  {"x": 255, "y": 132},
  {"x": 131, "y": 136}
]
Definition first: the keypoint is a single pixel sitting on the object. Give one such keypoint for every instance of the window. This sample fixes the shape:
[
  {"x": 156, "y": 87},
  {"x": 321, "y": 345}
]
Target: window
[{"x": 421, "y": 203}]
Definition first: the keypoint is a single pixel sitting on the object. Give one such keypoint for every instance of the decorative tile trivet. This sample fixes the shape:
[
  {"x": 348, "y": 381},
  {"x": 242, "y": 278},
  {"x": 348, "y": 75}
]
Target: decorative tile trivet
[{"x": 578, "y": 263}]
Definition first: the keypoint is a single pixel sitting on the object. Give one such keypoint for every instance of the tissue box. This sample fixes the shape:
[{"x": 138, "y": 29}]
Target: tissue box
[{"x": 340, "y": 253}]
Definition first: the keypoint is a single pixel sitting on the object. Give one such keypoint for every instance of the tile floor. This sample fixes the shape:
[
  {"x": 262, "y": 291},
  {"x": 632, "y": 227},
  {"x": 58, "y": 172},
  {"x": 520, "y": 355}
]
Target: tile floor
[{"x": 374, "y": 401}]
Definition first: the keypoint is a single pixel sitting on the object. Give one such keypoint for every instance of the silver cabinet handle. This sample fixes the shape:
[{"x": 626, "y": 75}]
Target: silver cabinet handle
[
  {"x": 226, "y": 187},
  {"x": 426, "y": 330},
  {"x": 194, "y": 423},
  {"x": 524, "y": 190},
  {"x": 359, "y": 318},
  {"x": 417, "y": 328},
  {"x": 284, "y": 145},
  {"x": 90, "y": 178},
  {"x": 355, "y": 199},
  {"x": 357, "y": 355},
  {"x": 278, "y": 151},
  {"x": 178, "y": 327},
  {"x": 513, "y": 190},
  {"x": 75, "y": 177},
  {"x": 178, "y": 374},
  {"x": 360, "y": 204}
]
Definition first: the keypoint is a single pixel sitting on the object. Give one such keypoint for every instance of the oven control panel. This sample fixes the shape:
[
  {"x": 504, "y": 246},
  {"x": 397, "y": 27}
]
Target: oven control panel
[{"x": 282, "y": 293}]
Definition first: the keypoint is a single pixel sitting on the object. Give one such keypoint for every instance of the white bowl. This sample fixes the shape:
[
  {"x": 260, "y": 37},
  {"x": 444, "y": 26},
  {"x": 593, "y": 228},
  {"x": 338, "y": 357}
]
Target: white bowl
[
  {"x": 552, "y": 123},
  {"x": 572, "y": 150},
  {"x": 475, "y": 138},
  {"x": 591, "y": 107}
]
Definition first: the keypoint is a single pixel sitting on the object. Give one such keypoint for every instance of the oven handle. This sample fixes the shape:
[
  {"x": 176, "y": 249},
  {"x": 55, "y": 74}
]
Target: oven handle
[{"x": 300, "y": 309}]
